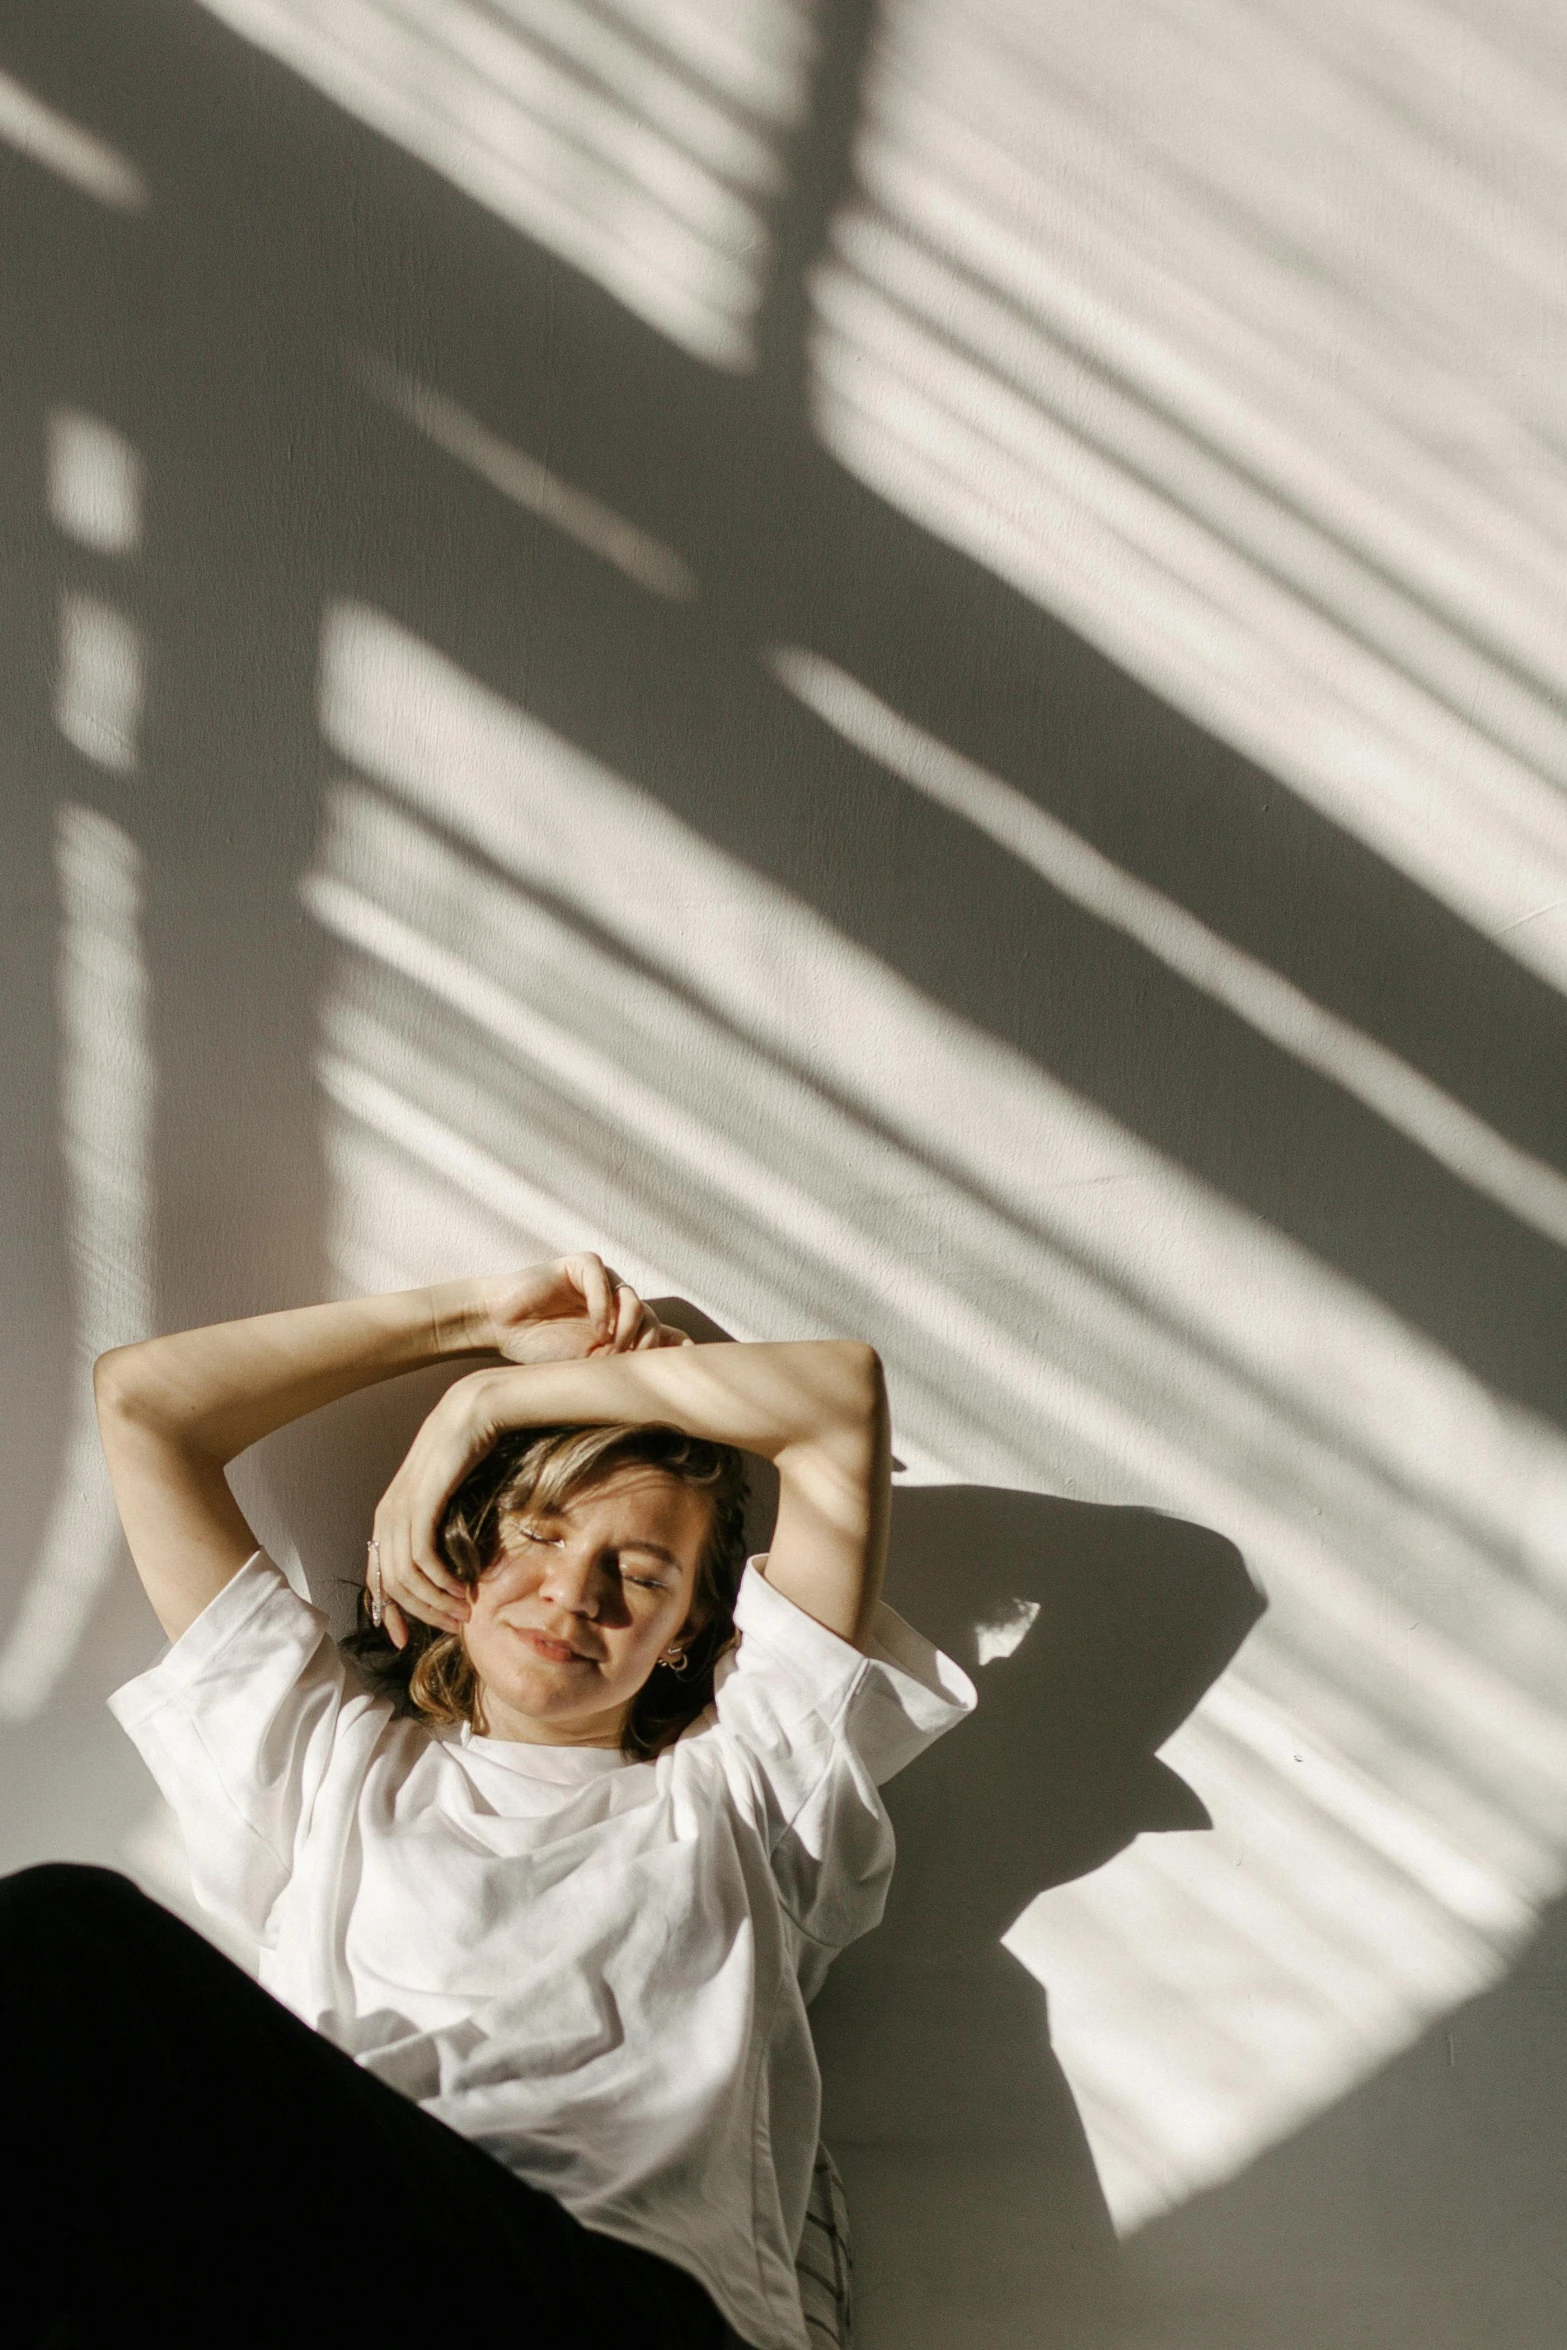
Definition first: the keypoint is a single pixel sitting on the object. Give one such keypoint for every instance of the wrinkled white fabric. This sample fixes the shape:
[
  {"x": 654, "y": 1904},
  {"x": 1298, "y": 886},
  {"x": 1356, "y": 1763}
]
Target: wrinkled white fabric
[{"x": 596, "y": 1969}]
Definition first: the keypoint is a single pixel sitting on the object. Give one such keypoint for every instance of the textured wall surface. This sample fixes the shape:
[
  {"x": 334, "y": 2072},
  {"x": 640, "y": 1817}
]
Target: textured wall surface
[{"x": 903, "y": 662}]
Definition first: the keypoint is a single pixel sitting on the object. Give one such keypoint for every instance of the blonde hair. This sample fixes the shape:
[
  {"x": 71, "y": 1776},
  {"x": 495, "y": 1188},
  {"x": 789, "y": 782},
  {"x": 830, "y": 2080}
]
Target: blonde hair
[{"x": 540, "y": 1468}]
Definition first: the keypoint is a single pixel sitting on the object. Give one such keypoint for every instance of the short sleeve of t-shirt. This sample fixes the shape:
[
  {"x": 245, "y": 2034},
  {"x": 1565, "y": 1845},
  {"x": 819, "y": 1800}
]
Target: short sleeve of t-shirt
[
  {"x": 822, "y": 1727},
  {"x": 237, "y": 1723}
]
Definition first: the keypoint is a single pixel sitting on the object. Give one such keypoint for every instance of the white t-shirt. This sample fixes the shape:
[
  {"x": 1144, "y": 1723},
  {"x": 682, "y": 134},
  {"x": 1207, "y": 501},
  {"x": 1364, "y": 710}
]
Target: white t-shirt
[{"x": 596, "y": 1969}]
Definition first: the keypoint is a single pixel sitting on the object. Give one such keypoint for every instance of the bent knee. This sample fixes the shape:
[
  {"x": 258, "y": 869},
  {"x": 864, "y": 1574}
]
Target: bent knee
[{"x": 66, "y": 1888}]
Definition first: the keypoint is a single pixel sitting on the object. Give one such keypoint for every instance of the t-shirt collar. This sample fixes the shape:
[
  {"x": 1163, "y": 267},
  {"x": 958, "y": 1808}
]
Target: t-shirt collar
[{"x": 564, "y": 1765}]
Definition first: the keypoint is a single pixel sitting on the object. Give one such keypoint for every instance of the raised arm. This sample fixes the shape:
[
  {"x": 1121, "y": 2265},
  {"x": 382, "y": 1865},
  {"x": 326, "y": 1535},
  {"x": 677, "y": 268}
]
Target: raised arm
[
  {"x": 173, "y": 1412},
  {"x": 816, "y": 1408}
]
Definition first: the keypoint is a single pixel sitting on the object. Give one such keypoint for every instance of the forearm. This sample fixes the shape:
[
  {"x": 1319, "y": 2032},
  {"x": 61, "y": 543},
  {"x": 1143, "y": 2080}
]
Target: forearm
[
  {"x": 816, "y": 1408},
  {"x": 768, "y": 1399},
  {"x": 213, "y": 1392},
  {"x": 174, "y": 1411}
]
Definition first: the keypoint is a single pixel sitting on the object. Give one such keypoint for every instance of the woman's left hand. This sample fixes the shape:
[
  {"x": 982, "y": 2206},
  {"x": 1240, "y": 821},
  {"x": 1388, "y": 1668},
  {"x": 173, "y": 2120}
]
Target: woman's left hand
[{"x": 571, "y": 1307}]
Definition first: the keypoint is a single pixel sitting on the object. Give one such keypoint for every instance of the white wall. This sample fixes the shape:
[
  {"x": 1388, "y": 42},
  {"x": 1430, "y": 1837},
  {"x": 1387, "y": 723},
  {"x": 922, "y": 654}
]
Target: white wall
[{"x": 907, "y": 668}]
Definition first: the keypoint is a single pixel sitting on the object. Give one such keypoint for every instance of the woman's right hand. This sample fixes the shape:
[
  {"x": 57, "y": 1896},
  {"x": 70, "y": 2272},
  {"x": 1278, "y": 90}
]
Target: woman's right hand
[
  {"x": 405, "y": 1571},
  {"x": 572, "y": 1307}
]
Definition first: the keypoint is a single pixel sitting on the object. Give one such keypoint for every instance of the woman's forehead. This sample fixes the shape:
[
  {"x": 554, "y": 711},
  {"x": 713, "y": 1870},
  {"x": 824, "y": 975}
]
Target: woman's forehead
[{"x": 635, "y": 1489}]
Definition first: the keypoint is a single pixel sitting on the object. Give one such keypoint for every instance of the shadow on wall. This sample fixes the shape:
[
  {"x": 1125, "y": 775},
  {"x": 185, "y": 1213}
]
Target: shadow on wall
[
  {"x": 1425, "y": 2208},
  {"x": 977, "y": 2214}
]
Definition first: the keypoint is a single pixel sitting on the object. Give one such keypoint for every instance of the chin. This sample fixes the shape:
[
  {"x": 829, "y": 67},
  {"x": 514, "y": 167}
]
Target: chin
[
  {"x": 538, "y": 1698},
  {"x": 552, "y": 1698}
]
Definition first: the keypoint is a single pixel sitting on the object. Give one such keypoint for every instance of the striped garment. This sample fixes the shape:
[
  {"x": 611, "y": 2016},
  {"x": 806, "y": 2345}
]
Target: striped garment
[{"x": 824, "y": 2264}]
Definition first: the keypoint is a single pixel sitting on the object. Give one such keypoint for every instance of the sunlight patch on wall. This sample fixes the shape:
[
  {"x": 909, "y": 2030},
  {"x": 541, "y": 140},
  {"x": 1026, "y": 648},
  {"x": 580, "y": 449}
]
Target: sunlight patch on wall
[
  {"x": 1004, "y": 1634},
  {"x": 51, "y": 139},
  {"x": 544, "y": 980},
  {"x": 95, "y": 490},
  {"x": 635, "y": 553},
  {"x": 638, "y": 140},
  {"x": 100, "y": 682},
  {"x": 1397, "y": 1093},
  {"x": 106, "y": 1112},
  {"x": 413, "y": 1200},
  {"x": 1235, "y": 339},
  {"x": 94, "y": 483}
]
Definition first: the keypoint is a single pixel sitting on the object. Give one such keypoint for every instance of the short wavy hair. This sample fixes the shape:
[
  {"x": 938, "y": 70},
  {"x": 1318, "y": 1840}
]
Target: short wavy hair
[{"x": 538, "y": 1469}]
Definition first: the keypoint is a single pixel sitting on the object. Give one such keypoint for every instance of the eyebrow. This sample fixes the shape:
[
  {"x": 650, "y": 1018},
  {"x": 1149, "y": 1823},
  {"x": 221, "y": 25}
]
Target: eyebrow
[{"x": 654, "y": 1550}]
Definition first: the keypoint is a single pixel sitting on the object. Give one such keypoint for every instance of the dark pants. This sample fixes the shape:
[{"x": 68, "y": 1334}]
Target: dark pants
[{"x": 189, "y": 2163}]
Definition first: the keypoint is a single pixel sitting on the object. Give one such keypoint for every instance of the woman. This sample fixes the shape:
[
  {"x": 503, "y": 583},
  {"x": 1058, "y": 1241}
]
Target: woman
[{"x": 546, "y": 1873}]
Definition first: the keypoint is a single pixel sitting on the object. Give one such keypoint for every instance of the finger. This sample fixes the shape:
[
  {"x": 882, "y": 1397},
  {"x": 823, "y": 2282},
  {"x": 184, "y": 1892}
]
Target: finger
[
  {"x": 421, "y": 1574},
  {"x": 628, "y": 1316},
  {"x": 394, "y": 1575},
  {"x": 404, "y": 1579},
  {"x": 416, "y": 1581},
  {"x": 407, "y": 1521},
  {"x": 596, "y": 1283},
  {"x": 419, "y": 1597},
  {"x": 399, "y": 1574},
  {"x": 425, "y": 1555},
  {"x": 426, "y": 1561},
  {"x": 453, "y": 1436},
  {"x": 428, "y": 1577},
  {"x": 632, "y": 1325},
  {"x": 396, "y": 1628}
]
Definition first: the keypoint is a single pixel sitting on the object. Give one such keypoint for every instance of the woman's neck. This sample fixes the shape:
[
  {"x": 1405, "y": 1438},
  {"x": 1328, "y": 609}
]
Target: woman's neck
[{"x": 500, "y": 1720}]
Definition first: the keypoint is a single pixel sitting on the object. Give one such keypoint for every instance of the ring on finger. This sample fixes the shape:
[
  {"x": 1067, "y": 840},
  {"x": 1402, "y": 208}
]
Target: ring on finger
[{"x": 373, "y": 1579}]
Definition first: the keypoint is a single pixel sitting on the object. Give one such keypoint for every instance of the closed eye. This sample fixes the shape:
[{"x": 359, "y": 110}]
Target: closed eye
[{"x": 555, "y": 1542}]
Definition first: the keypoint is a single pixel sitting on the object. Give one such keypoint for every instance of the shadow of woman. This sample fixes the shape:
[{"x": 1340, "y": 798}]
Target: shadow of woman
[{"x": 977, "y": 2215}]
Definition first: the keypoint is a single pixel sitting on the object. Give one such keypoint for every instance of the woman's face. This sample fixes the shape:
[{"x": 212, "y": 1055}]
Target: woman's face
[{"x": 580, "y": 1605}]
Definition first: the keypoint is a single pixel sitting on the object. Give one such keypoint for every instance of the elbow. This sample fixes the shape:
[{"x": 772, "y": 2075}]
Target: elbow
[
  {"x": 108, "y": 1381},
  {"x": 137, "y": 1404},
  {"x": 859, "y": 1380},
  {"x": 835, "y": 1389},
  {"x": 115, "y": 1384}
]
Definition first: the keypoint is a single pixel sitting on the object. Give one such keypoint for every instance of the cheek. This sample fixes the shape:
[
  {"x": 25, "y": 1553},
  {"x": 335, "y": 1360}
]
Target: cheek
[
  {"x": 667, "y": 1622},
  {"x": 638, "y": 1647},
  {"x": 475, "y": 1640},
  {"x": 636, "y": 1642},
  {"x": 501, "y": 1586},
  {"x": 481, "y": 1633}
]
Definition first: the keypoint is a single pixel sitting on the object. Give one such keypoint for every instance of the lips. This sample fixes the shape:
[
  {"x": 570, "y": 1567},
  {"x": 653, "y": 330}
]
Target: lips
[{"x": 556, "y": 1652}]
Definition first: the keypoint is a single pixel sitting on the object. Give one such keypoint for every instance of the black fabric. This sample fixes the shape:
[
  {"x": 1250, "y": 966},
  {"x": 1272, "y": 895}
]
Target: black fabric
[{"x": 190, "y": 2163}]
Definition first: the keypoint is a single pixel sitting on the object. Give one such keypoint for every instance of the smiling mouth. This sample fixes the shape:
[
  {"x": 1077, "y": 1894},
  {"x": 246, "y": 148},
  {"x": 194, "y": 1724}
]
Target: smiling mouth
[{"x": 558, "y": 1652}]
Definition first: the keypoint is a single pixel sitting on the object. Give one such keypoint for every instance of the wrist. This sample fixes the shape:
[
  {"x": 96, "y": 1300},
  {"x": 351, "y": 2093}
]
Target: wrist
[{"x": 461, "y": 1322}]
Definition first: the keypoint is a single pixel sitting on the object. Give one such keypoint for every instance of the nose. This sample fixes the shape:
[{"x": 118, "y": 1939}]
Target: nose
[{"x": 571, "y": 1579}]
